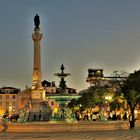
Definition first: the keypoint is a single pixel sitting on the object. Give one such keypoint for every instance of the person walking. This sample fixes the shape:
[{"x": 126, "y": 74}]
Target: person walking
[{"x": 4, "y": 123}]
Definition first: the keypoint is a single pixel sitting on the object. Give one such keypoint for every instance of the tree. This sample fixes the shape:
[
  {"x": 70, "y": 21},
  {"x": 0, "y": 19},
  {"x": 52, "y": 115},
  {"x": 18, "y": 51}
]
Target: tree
[
  {"x": 72, "y": 105},
  {"x": 89, "y": 99},
  {"x": 119, "y": 78},
  {"x": 131, "y": 92}
]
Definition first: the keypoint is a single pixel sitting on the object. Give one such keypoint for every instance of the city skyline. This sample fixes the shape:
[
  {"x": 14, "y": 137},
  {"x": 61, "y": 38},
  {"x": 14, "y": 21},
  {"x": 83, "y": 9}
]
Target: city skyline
[{"x": 79, "y": 34}]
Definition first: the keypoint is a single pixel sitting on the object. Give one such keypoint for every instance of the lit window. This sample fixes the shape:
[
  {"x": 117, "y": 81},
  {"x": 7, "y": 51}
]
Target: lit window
[
  {"x": 14, "y": 110},
  {"x": 7, "y": 96},
  {"x": 98, "y": 71}
]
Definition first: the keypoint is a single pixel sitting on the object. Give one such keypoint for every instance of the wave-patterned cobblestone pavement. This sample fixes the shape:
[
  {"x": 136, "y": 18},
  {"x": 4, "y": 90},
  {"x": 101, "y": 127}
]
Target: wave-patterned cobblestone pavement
[{"x": 92, "y": 135}]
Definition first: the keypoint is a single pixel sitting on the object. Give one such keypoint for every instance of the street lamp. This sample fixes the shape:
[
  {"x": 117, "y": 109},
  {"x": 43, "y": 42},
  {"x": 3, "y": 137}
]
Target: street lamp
[{"x": 108, "y": 98}]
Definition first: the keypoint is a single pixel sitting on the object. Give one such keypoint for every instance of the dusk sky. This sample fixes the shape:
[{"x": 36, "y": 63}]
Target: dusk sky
[{"x": 80, "y": 34}]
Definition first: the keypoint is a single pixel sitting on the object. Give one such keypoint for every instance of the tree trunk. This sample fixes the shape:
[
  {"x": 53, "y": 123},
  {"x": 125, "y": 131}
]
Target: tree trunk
[{"x": 132, "y": 119}]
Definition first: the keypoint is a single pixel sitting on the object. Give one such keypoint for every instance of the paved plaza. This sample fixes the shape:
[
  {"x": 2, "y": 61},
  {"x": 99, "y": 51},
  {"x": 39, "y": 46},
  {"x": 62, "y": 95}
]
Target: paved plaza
[
  {"x": 89, "y": 131},
  {"x": 91, "y": 135}
]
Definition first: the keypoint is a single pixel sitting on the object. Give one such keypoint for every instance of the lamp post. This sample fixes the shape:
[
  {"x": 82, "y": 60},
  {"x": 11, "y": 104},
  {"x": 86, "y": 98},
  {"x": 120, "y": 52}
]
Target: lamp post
[
  {"x": 108, "y": 99},
  {"x": 79, "y": 106}
]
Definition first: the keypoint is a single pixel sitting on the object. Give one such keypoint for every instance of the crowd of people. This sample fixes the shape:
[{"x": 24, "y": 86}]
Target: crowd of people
[{"x": 97, "y": 116}]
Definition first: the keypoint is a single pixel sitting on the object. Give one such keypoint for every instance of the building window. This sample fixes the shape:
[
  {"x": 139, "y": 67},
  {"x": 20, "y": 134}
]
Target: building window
[
  {"x": 14, "y": 97},
  {"x": 0, "y": 96},
  {"x": 14, "y": 104},
  {"x": 7, "y": 96},
  {"x": 7, "y": 103},
  {"x": 3, "y": 91},
  {"x": 14, "y": 110},
  {"x": 7, "y": 91},
  {"x": 52, "y": 103},
  {"x": 0, "y": 104}
]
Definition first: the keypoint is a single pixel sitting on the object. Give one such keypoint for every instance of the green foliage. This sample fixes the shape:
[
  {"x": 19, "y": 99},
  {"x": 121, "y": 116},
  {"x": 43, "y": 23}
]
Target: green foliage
[
  {"x": 116, "y": 105},
  {"x": 90, "y": 98},
  {"x": 131, "y": 90},
  {"x": 68, "y": 115},
  {"x": 72, "y": 104},
  {"x": 95, "y": 95}
]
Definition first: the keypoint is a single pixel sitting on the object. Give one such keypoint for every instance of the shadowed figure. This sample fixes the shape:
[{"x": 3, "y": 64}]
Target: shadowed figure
[
  {"x": 36, "y": 21},
  {"x": 132, "y": 121},
  {"x": 5, "y": 123}
]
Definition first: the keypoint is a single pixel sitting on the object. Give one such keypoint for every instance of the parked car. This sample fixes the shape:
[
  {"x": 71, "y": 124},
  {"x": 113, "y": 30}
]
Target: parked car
[{"x": 14, "y": 117}]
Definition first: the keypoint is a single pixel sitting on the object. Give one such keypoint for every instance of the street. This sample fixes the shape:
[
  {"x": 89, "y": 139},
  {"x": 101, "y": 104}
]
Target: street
[{"x": 91, "y": 135}]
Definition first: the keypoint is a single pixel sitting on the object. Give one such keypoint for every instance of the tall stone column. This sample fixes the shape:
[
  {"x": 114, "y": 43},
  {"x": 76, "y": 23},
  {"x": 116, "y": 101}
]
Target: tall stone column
[
  {"x": 36, "y": 105},
  {"x": 37, "y": 92},
  {"x": 37, "y": 36}
]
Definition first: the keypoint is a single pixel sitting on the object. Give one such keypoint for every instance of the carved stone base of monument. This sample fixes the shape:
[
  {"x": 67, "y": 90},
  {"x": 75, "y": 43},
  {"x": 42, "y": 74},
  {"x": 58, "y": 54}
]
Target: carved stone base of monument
[
  {"x": 40, "y": 111},
  {"x": 36, "y": 107},
  {"x": 38, "y": 94}
]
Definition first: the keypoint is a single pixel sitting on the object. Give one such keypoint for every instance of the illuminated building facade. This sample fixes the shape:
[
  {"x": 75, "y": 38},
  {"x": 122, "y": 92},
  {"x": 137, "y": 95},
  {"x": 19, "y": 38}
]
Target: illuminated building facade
[
  {"x": 9, "y": 100},
  {"x": 95, "y": 77}
]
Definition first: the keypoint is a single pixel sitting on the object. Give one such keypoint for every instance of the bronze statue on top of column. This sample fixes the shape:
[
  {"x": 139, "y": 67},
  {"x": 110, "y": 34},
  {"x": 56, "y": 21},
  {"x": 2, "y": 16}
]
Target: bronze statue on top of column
[{"x": 36, "y": 21}]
